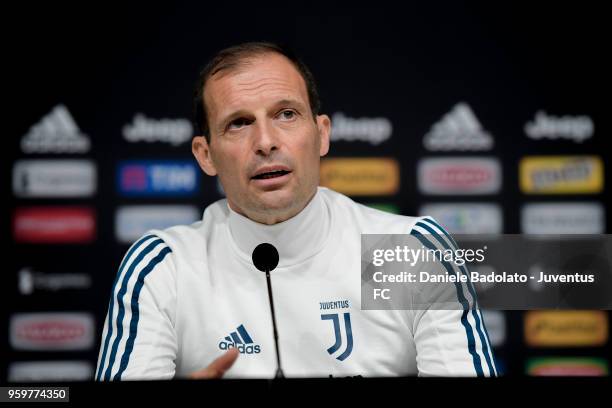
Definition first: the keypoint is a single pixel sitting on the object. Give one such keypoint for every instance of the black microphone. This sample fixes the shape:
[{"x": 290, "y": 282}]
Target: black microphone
[{"x": 265, "y": 258}]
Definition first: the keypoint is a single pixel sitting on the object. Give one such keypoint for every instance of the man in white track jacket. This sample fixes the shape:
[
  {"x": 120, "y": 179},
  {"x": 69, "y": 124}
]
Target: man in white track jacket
[{"x": 188, "y": 301}]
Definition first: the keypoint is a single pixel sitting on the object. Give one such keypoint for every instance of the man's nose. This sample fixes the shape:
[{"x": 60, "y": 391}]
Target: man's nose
[{"x": 265, "y": 139}]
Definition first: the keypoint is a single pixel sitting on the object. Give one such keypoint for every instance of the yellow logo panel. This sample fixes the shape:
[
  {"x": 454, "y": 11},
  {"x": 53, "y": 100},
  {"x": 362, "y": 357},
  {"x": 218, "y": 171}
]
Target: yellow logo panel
[
  {"x": 361, "y": 176},
  {"x": 575, "y": 328},
  {"x": 561, "y": 175}
]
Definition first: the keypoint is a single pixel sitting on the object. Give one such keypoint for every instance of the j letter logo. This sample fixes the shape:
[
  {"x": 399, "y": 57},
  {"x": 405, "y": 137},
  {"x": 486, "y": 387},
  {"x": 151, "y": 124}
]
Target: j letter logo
[{"x": 335, "y": 317}]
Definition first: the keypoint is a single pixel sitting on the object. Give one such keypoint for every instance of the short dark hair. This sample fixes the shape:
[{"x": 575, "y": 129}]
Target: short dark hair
[{"x": 233, "y": 57}]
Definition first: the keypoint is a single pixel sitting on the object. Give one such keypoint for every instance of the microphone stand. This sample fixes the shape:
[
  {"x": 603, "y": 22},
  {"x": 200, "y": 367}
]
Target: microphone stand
[{"x": 279, "y": 370}]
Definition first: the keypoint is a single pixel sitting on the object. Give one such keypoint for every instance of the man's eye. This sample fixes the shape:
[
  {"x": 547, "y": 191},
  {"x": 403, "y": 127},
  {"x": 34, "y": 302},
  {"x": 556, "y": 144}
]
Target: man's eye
[
  {"x": 287, "y": 114},
  {"x": 238, "y": 123}
]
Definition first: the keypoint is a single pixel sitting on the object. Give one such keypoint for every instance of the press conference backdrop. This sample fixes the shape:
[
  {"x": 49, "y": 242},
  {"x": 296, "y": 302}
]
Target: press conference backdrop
[{"x": 491, "y": 119}]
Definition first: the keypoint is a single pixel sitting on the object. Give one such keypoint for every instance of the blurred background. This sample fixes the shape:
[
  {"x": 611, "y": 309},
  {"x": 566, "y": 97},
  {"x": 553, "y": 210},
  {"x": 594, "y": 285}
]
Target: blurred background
[{"x": 490, "y": 117}]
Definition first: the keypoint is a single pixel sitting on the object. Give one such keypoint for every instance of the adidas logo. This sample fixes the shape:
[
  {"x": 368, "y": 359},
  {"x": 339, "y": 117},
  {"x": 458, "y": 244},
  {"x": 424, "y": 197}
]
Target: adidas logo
[
  {"x": 57, "y": 132},
  {"x": 173, "y": 131},
  {"x": 241, "y": 340},
  {"x": 458, "y": 130}
]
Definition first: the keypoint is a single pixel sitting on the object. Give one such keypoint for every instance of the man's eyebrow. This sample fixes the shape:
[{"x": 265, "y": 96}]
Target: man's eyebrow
[
  {"x": 291, "y": 102},
  {"x": 241, "y": 112}
]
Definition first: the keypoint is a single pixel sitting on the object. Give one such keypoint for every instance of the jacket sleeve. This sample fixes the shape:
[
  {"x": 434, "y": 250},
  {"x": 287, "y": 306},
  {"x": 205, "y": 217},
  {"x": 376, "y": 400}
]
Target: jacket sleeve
[
  {"x": 139, "y": 339},
  {"x": 450, "y": 335}
]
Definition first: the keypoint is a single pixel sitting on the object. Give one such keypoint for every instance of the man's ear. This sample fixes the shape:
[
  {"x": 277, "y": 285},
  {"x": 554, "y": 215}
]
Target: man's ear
[
  {"x": 324, "y": 125},
  {"x": 201, "y": 151}
]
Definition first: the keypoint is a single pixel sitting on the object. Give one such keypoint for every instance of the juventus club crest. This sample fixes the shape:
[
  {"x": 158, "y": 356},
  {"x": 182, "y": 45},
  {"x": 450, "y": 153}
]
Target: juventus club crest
[{"x": 343, "y": 344}]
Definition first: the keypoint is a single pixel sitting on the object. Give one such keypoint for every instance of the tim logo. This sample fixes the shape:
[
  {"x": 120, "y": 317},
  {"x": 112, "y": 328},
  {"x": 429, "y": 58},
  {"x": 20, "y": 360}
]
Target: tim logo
[
  {"x": 335, "y": 318},
  {"x": 149, "y": 178},
  {"x": 241, "y": 340}
]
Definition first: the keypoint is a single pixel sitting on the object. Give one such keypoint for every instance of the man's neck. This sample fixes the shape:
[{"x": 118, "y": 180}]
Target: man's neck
[
  {"x": 273, "y": 216},
  {"x": 296, "y": 238}
]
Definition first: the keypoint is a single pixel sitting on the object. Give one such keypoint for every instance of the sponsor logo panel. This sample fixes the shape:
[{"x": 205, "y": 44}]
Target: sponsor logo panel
[
  {"x": 49, "y": 225},
  {"x": 459, "y": 175},
  {"x": 566, "y": 328},
  {"x": 158, "y": 178},
  {"x": 54, "y": 178},
  {"x": 132, "y": 222},
  {"x": 361, "y": 176},
  {"x": 561, "y": 174},
  {"x": 567, "y": 367},
  {"x": 30, "y": 281},
  {"x": 563, "y": 218},
  {"x": 50, "y": 371},
  {"x": 51, "y": 331}
]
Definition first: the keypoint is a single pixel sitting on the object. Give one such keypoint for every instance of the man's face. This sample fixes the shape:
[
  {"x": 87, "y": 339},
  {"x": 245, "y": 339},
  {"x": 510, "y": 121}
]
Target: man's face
[{"x": 264, "y": 145}]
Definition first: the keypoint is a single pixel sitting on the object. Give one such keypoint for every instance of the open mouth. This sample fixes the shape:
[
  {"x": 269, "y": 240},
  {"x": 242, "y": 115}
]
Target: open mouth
[{"x": 271, "y": 174}]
